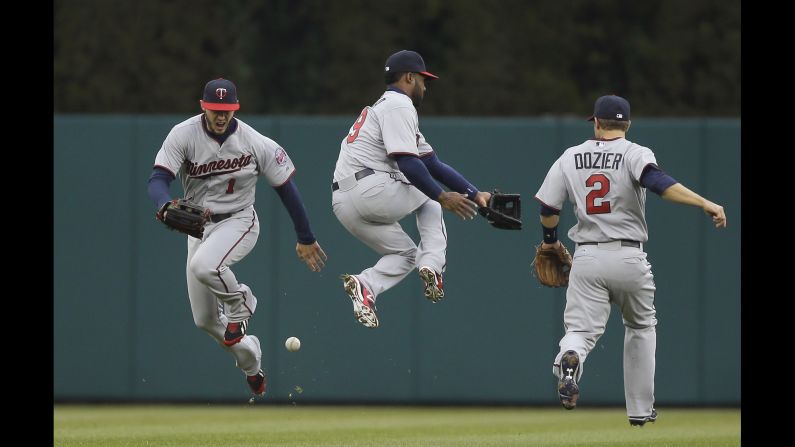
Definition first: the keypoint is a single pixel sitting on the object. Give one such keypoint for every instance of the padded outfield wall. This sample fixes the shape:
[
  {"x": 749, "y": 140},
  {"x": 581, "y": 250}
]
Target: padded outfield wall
[{"x": 120, "y": 276}]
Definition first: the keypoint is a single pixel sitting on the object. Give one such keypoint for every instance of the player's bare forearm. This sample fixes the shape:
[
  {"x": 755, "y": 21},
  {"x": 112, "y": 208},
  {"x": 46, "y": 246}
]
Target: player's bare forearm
[
  {"x": 678, "y": 193},
  {"x": 459, "y": 204},
  {"x": 550, "y": 221},
  {"x": 312, "y": 255}
]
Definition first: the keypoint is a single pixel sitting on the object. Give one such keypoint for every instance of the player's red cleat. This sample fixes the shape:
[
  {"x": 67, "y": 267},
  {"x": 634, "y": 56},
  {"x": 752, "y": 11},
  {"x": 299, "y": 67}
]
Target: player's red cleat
[
  {"x": 434, "y": 287},
  {"x": 363, "y": 302},
  {"x": 235, "y": 332},
  {"x": 257, "y": 383}
]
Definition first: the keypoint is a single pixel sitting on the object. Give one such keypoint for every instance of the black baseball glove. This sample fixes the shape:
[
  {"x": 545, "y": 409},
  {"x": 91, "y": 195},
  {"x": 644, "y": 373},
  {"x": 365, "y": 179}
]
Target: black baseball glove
[
  {"x": 184, "y": 216},
  {"x": 503, "y": 211}
]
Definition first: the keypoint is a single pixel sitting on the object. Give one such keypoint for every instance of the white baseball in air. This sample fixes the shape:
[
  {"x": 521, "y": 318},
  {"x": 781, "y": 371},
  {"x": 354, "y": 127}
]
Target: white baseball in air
[{"x": 292, "y": 344}]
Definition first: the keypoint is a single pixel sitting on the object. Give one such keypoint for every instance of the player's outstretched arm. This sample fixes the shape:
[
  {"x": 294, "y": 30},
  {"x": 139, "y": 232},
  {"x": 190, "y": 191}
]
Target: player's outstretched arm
[
  {"x": 417, "y": 173},
  {"x": 307, "y": 248},
  {"x": 678, "y": 193},
  {"x": 459, "y": 204},
  {"x": 312, "y": 255},
  {"x": 453, "y": 179}
]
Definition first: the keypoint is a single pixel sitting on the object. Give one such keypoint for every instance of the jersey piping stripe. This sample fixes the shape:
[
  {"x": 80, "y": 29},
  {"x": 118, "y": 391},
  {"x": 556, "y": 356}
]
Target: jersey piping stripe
[
  {"x": 218, "y": 267},
  {"x": 288, "y": 178},
  {"x": 542, "y": 202},
  {"x": 245, "y": 298},
  {"x": 403, "y": 153},
  {"x": 168, "y": 170},
  {"x": 444, "y": 233},
  {"x": 604, "y": 139}
]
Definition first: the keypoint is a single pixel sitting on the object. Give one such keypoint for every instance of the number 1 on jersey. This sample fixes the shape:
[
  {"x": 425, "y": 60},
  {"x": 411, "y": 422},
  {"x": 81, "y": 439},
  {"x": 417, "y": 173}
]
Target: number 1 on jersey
[
  {"x": 230, "y": 188},
  {"x": 354, "y": 132},
  {"x": 604, "y": 187}
]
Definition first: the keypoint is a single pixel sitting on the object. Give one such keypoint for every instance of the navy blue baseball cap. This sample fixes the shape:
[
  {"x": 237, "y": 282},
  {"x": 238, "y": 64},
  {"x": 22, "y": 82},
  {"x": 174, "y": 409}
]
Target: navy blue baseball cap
[
  {"x": 220, "y": 94},
  {"x": 611, "y": 107},
  {"x": 407, "y": 61}
]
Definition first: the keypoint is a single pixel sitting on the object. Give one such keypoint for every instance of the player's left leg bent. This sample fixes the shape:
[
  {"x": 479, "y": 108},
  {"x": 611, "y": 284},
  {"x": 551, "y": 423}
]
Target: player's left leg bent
[
  {"x": 377, "y": 225},
  {"x": 432, "y": 249},
  {"x": 587, "y": 306},
  {"x": 205, "y": 307},
  {"x": 224, "y": 244},
  {"x": 585, "y": 318},
  {"x": 248, "y": 354},
  {"x": 208, "y": 316}
]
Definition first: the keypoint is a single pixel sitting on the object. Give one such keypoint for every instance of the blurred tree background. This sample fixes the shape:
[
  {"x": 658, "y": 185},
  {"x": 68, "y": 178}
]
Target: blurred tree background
[{"x": 325, "y": 57}]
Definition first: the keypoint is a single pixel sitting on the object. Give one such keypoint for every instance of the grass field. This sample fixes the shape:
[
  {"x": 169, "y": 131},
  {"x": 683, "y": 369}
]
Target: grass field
[{"x": 271, "y": 425}]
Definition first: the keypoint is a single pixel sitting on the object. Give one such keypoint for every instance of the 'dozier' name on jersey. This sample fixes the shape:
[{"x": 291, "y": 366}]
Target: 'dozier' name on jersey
[
  {"x": 218, "y": 167},
  {"x": 597, "y": 160}
]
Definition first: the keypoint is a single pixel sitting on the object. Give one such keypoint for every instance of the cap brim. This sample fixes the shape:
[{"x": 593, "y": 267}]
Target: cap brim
[
  {"x": 429, "y": 75},
  {"x": 219, "y": 106}
]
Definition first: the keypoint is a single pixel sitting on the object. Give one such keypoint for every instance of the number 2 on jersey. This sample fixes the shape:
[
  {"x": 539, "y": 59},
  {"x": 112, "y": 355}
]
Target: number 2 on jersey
[
  {"x": 354, "y": 132},
  {"x": 604, "y": 187}
]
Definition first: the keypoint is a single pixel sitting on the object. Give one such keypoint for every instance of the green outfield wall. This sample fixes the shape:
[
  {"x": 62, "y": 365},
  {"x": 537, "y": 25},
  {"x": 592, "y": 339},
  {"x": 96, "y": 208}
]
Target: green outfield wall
[{"x": 123, "y": 328}]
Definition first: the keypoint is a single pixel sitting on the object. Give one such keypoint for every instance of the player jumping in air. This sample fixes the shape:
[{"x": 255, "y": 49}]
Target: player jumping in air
[{"x": 386, "y": 171}]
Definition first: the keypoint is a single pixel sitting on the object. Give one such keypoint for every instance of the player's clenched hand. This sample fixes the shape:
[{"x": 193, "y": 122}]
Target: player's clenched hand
[
  {"x": 458, "y": 204},
  {"x": 312, "y": 255},
  {"x": 717, "y": 213},
  {"x": 482, "y": 198}
]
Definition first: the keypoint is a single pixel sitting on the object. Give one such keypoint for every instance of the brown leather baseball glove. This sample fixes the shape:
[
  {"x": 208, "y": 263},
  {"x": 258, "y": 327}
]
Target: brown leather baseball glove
[
  {"x": 184, "y": 216},
  {"x": 552, "y": 265}
]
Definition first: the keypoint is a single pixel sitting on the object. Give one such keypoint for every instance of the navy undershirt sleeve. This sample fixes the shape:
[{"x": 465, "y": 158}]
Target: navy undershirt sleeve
[
  {"x": 449, "y": 176},
  {"x": 656, "y": 180},
  {"x": 159, "y": 183},
  {"x": 418, "y": 175},
  {"x": 291, "y": 199},
  {"x": 549, "y": 211}
]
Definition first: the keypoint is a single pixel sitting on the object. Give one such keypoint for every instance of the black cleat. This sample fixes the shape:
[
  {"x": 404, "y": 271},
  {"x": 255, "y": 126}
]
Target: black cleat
[
  {"x": 639, "y": 421},
  {"x": 568, "y": 391}
]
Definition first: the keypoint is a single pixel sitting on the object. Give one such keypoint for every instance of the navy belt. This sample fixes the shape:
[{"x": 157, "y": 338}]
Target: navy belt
[
  {"x": 624, "y": 243},
  {"x": 359, "y": 175},
  {"x": 215, "y": 218}
]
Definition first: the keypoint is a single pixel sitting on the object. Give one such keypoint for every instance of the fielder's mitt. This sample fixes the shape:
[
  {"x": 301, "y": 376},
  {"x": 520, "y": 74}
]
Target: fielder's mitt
[
  {"x": 552, "y": 265},
  {"x": 184, "y": 216},
  {"x": 504, "y": 211}
]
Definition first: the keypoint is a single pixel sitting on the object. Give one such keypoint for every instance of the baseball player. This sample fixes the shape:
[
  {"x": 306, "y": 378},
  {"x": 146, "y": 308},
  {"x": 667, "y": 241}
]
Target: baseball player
[
  {"x": 219, "y": 159},
  {"x": 606, "y": 178},
  {"x": 384, "y": 172}
]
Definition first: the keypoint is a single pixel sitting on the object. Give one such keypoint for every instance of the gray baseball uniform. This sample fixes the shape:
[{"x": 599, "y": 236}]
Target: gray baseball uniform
[
  {"x": 601, "y": 178},
  {"x": 223, "y": 177},
  {"x": 371, "y": 206}
]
